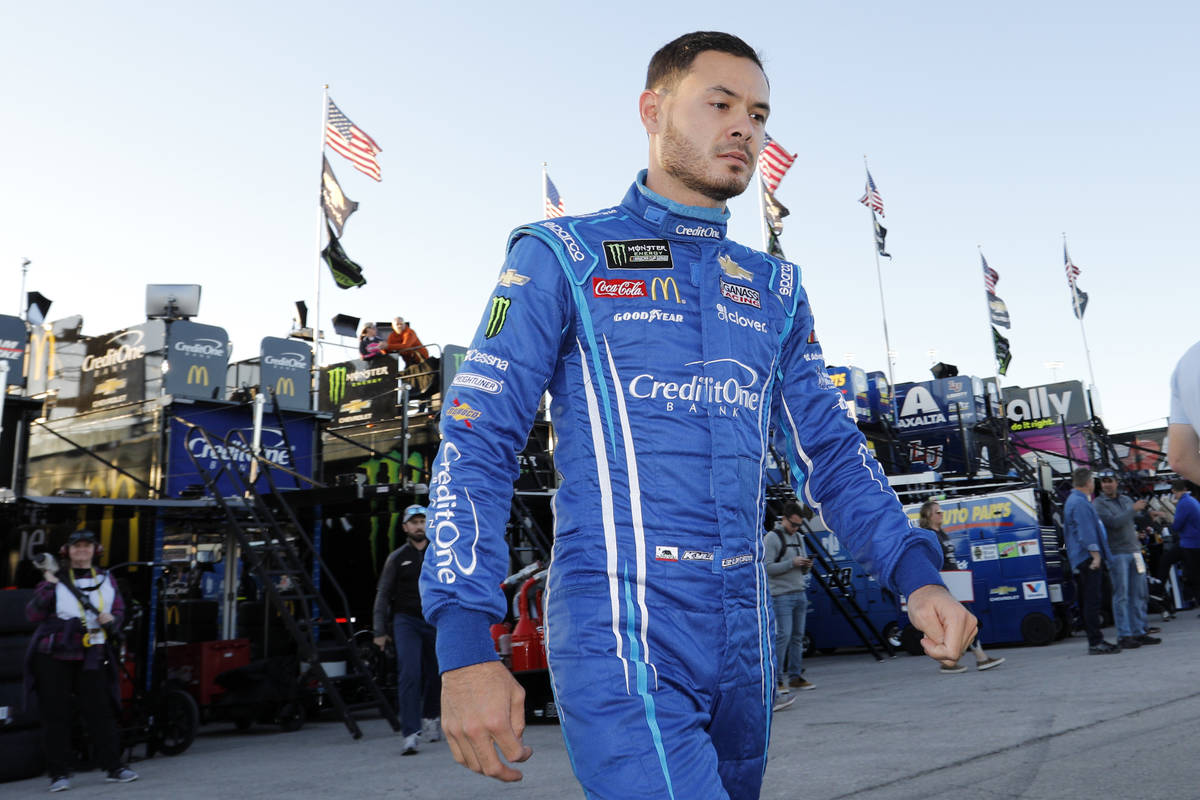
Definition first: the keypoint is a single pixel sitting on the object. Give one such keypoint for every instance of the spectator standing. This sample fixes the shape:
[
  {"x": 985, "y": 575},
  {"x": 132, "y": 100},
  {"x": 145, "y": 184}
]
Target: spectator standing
[
  {"x": 1186, "y": 527},
  {"x": 398, "y": 609},
  {"x": 1183, "y": 426},
  {"x": 69, "y": 665},
  {"x": 1087, "y": 552},
  {"x": 1127, "y": 567},
  {"x": 930, "y": 519},
  {"x": 788, "y": 566},
  {"x": 403, "y": 340},
  {"x": 369, "y": 343}
]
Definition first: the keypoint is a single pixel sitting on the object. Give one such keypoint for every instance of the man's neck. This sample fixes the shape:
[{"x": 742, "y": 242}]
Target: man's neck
[
  {"x": 659, "y": 182},
  {"x": 418, "y": 544}
]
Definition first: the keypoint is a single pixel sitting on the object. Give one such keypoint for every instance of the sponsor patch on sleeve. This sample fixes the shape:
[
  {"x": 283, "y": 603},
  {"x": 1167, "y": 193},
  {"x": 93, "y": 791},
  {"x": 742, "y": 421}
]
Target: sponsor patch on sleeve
[
  {"x": 638, "y": 254},
  {"x": 664, "y": 553}
]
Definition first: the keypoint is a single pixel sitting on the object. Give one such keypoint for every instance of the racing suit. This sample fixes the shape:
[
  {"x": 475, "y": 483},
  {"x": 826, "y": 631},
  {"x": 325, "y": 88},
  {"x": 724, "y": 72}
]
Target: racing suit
[{"x": 665, "y": 348}]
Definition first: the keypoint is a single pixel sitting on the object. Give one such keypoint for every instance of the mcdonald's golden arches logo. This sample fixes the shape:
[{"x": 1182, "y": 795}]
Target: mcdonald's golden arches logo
[
  {"x": 285, "y": 386},
  {"x": 666, "y": 286},
  {"x": 197, "y": 373},
  {"x": 41, "y": 355}
]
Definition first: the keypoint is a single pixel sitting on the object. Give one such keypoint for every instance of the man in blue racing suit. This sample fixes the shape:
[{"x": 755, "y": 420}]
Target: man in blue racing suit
[{"x": 667, "y": 350}]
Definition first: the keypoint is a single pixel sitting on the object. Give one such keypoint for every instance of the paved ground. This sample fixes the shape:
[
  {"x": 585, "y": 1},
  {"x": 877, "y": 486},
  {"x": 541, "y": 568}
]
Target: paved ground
[{"x": 1052, "y": 722}]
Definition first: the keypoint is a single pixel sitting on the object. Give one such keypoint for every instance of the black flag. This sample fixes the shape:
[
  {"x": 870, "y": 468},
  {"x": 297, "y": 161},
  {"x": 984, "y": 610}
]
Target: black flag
[
  {"x": 345, "y": 272},
  {"x": 1003, "y": 353},
  {"x": 338, "y": 207},
  {"x": 880, "y": 237},
  {"x": 1079, "y": 305}
]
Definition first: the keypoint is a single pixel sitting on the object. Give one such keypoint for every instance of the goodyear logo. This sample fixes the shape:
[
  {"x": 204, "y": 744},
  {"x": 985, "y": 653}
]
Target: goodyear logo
[
  {"x": 463, "y": 412},
  {"x": 497, "y": 316},
  {"x": 666, "y": 286},
  {"x": 285, "y": 386},
  {"x": 337, "y": 384},
  {"x": 198, "y": 374}
]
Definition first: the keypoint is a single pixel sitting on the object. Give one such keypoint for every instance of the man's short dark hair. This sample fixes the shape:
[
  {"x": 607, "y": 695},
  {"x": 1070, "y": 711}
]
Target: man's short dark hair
[
  {"x": 674, "y": 59},
  {"x": 1081, "y": 477},
  {"x": 796, "y": 510}
]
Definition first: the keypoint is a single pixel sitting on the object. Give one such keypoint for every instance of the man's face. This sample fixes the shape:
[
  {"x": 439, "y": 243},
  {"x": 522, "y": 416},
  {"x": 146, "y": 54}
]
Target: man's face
[
  {"x": 415, "y": 528},
  {"x": 1108, "y": 485},
  {"x": 81, "y": 552},
  {"x": 398, "y": 325},
  {"x": 792, "y": 524},
  {"x": 710, "y": 127}
]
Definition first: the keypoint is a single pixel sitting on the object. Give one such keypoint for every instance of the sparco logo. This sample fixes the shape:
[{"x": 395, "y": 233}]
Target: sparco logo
[
  {"x": 603, "y": 287},
  {"x": 126, "y": 346},
  {"x": 653, "y": 315},
  {"x": 735, "y": 317},
  {"x": 572, "y": 247},
  {"x": 787, "y": 279},
  {"x": 287, "y": 360},
  {"x": 202, "y": 347},
  {"x": 443, "y": 522},
  {"x": 702, "y": 230},
  {"x": 707, "y": 390},
  {"x": 741, "y": 294}
]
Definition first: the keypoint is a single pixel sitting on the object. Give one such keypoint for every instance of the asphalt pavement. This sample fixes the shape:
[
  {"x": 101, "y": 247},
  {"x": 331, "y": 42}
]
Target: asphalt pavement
[{"x": 1050, "y": 723}]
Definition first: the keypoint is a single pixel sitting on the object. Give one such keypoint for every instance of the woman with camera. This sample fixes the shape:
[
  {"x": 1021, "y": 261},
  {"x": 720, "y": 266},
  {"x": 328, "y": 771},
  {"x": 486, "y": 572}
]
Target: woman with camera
[{"x": 70, "y": 660}]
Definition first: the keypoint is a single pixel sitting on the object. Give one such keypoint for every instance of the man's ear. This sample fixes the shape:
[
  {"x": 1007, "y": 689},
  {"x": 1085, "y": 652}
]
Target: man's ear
[{"x": 650, "y": 109}]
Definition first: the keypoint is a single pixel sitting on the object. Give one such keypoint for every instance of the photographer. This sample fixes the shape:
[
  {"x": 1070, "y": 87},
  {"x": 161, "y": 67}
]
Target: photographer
[{"x": 70, "y": 660}]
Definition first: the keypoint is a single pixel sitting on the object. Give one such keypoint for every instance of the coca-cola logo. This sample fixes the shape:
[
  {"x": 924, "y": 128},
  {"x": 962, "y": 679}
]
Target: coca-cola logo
[{"x": 623, "y": 287}]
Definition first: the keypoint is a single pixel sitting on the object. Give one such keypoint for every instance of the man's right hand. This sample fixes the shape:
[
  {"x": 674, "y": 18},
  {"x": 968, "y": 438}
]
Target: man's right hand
[
  {"x": 483, "y": 709},
  {"x": 49, "y": 577},
  {"x": 380, "y": 641},
  {"x": 1095, "y": 560},
  {"x": 800, "y": 562}
]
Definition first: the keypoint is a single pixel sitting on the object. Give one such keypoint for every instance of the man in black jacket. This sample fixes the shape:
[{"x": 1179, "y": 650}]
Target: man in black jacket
[{"x": 398, "y": 609}]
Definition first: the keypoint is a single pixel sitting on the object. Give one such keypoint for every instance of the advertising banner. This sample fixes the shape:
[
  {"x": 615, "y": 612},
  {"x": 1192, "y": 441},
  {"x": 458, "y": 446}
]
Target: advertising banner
[
  {"x": 284, "y": 372},
  {"x": 358, "y": 391},
  {"x": 231, "y": 430},
  {"x": 198, "y": 356},
  {"x": 115, "y": 369},
  {"x": 13, "y": 338},
  {"x": 852, "y": 383}
]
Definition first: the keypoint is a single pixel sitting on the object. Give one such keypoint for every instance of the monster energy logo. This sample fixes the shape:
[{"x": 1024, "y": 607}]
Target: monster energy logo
[
  {"x": 616, "y": 253},
  {"x": 337, "y": 384},
  {"x": 497, "y": 316}
]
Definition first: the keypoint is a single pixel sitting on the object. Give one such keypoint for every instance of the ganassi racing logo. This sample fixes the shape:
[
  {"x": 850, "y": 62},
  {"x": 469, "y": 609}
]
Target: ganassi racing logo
[
  {"x": 446, "y": 518},
  {"x": 705, "y": 388}
]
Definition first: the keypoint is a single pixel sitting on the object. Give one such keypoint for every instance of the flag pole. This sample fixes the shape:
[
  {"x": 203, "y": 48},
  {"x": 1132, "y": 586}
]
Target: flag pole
[
  {"x": 542, "y": 199},
  {"x": 1082, "y": 331},
  {"x": 992, "y": 349},
  {"x": 316, "y": 320},
  {"x": 887, "y": 342},
  {"x": 762, "y": 207}
]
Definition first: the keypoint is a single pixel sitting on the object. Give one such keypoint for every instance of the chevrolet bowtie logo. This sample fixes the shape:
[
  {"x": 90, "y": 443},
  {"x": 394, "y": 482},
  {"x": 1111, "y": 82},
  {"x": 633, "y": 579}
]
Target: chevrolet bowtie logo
[
  {"x": 511, "y": 277},
  {"x": 355, "y": 406},
  {"x": 731, "y": 268},
  {"x": 111, "y": 385}
]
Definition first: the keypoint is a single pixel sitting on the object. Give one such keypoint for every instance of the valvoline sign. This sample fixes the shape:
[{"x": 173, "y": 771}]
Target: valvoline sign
[{"x": 230, "y": 432}]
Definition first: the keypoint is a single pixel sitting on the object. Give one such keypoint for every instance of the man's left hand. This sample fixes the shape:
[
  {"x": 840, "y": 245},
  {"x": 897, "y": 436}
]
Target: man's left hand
[{"x": 948, "y": 627}]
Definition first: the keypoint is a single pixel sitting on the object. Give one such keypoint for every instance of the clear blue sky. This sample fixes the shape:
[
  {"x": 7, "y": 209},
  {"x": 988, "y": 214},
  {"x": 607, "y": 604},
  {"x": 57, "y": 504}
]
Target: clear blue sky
[{"x": 176, "y": 143}]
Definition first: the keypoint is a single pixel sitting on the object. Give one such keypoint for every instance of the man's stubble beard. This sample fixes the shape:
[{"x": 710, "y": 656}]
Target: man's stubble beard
[{"x": 682, "y": 161}]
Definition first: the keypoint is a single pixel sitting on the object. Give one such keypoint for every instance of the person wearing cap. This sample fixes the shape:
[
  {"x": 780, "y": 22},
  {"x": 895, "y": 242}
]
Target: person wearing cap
[
  {"x": 398, "y": 601},
  {"x": 68, "y": 665},
  {"x": 1127, "y": 569}
]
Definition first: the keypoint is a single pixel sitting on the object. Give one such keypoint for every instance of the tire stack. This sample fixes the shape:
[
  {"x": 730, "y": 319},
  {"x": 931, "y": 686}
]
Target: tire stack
[{"x": 21, "y": 753}]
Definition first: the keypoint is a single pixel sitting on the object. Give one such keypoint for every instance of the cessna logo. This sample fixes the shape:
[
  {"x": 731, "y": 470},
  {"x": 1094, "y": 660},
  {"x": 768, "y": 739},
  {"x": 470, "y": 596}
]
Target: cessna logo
[
  {"x": 510, "y": 277},
  {"x": 731, "y": 268},
  {"x": 197, "y": 373},
  {"x": 665, "y": 285},
  {"x": 638, "y": 254},
  {"x": 497, "y": 316},
  {"x": 285, "y": 386},
  {"x": 487, "y": 358}
]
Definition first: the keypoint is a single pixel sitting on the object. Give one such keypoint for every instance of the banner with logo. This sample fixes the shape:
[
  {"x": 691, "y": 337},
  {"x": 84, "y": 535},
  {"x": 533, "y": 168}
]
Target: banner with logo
[
  {"x": 230, "y": 430},
  {"x": 357, "y": 392},
  {"x": 939, "y": 403},
  {"x": 13, "y": 338},
  {"x": 453, "y": 356},
  {"x": 852, "y": 383},
  {"x": 198, "y": 356},
  {"x": 284, "y": 372},
  {"x": 117, "y": 366}
]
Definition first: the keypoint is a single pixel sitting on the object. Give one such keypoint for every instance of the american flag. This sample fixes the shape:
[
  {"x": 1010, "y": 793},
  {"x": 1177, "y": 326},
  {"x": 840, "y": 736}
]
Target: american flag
[
  {"x": 350, "y": 141},
  {"x": 990, "y": 276},
  {"x": 871, "y": 199},
  {"x": 554, "y": 203},
  {"x": 773, "y": 164},
  {"x": 1072, "y": 270}
]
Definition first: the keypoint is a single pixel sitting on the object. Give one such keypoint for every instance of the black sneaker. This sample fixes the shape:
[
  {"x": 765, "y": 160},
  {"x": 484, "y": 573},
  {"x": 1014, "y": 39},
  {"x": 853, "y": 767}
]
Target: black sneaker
[
  {"x": 1153, "y": 630},
  {"x": 1128, "y": 643},
  {"x": 121, "y": 775},
  {"x": 1146, "y": 638},
  {"x": 1103, "y": 649}
]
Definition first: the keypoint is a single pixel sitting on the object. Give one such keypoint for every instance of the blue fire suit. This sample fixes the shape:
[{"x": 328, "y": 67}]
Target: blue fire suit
[{"x": 666, "y": 349}]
